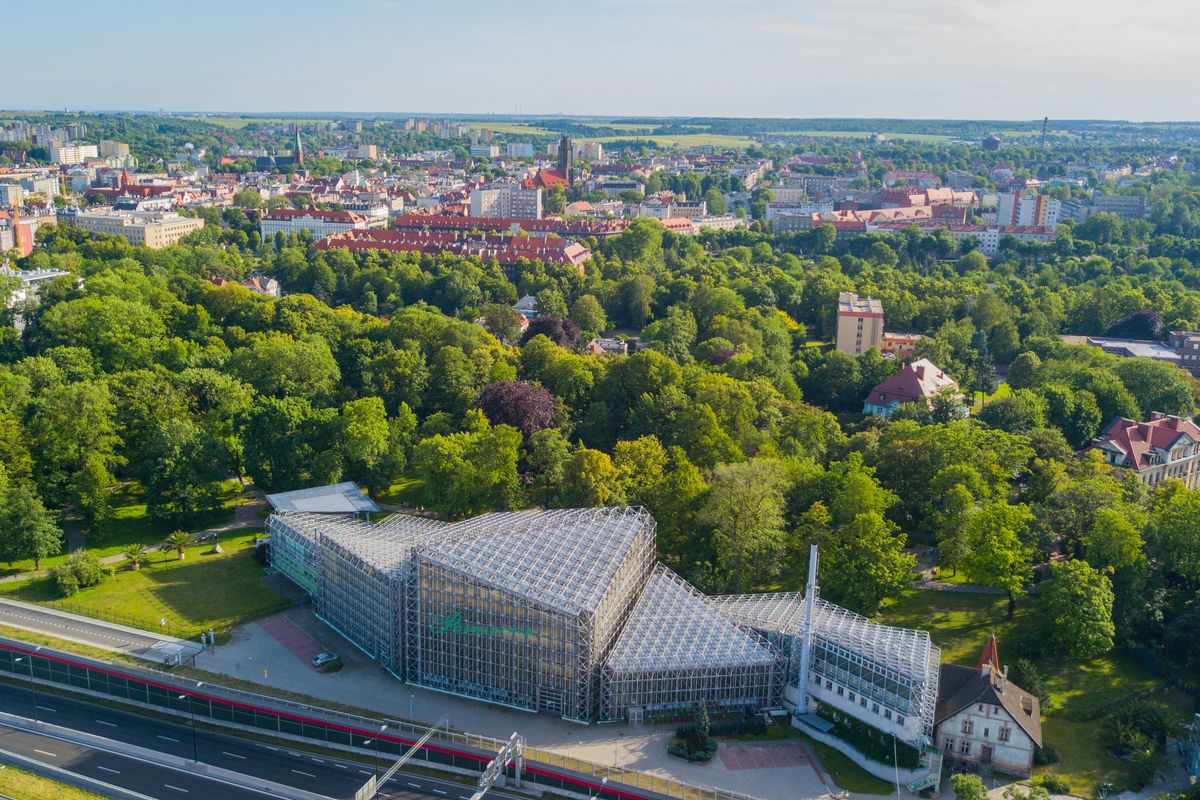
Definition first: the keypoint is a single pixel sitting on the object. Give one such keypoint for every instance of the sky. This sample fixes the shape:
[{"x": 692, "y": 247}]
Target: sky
[{"x": 961, "y": 59}]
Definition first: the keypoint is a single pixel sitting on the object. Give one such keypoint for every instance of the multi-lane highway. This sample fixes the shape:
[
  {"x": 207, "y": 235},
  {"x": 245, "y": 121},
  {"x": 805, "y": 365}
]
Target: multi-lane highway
[{"x": 323, "y": 775}]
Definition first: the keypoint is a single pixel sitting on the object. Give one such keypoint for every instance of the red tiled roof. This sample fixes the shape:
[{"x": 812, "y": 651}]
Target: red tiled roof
[
  {"x": 920, "y": 380},
  {"x": 1136, "y": 440},
  {"x": 505, "y": 248}
]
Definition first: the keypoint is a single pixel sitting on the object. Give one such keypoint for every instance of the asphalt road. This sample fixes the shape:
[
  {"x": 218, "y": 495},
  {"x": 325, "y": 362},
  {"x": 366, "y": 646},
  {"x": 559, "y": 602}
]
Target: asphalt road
[
  {"x": 79, "y": 630},
  {"x": 332, "y": 777}
]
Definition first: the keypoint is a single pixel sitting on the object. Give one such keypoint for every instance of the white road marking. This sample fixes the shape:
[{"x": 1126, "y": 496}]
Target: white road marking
[
  {"x": 106, "y": 769},
  {"x": 415, "y": 785},
  {"x": 232, "y": 755},
  {"x": 276, "y": 749},
  {"x": 363, "y": 772},
  {"x": 46, "y": 753},
  {"x": 340, "y": 766},
  {"x": 319, "y": 761},
  {"x": 109, "y": 724},
  {"x": 177, "y": 788},
  {"x": 305, "y": 774},
  {"x": 168, "y": 738},
  {"x": 48, "y": 708},
  {"x": 438, "y": 791}
]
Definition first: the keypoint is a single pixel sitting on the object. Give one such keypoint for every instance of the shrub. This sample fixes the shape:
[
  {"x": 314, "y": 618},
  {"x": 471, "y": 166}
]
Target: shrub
[
  {"x": 1055, "y": 784},
  {"x": 869, "y": 740},
  {"x": 64, "y": 581},
  {"x": 1046, "y": 755},
  {"x": 80, "y": 571}
]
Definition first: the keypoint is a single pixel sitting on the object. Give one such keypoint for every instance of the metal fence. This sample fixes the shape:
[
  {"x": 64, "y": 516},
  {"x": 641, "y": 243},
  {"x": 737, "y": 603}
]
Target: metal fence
[{"x": 229, "y": 705}]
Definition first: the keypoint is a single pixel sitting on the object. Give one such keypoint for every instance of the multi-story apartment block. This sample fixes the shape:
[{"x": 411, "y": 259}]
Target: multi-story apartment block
[
  {"x": 11, "y": 194},
  {"x": 73, "y": 153},
  {"x": 1186, "y": 345},
  {"x": 153, "y": 230},
  {"x": 1165, "y": 448},
  {"x": 859, "y": 323},
  {"x": 507, "y": 200},
  {"x": 113, "y": 149},
  {"x": 520, "y": 150},
  {"x": 1022, "y": 208}
]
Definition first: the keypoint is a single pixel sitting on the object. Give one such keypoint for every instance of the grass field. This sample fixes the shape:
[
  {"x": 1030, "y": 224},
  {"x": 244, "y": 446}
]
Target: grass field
[
  {"x": 844, "y": 772},
  {"x": 406, "y": 490},
  {"x": 202, "y": 591},
  {"x": 26, "y": 786},
  {"x": 981, "y": 399},
  {"x": 681, "y": 140},
  {"x": 237, "y": 123},
  {"x": 508, "y": 127},
  {"x": 912, "y": 137},
  {"x": 959, "y": 624},
  {"x": 130, "y": 524}
]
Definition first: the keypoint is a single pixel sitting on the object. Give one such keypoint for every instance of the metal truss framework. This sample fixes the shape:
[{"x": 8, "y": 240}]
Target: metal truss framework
[
  {"x": 678, "y": 651},
  {"x": 895, "y": 667},
  {"x": 565, "y": 611}
]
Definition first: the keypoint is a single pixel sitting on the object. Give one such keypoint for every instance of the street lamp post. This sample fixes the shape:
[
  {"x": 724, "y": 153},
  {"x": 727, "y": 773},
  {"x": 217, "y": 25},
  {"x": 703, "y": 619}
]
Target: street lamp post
[
  {"x": 374, "y": 742},
  {"x": 192, "y": 717},
  {"x": 32, "y": 685},
  {"x": 411, "y": 718}
]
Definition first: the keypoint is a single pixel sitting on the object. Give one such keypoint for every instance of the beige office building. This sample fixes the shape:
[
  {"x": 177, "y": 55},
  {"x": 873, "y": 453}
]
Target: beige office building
[
  {"x": 155, "y": 231},
  {"x": 859, "y": 324}
]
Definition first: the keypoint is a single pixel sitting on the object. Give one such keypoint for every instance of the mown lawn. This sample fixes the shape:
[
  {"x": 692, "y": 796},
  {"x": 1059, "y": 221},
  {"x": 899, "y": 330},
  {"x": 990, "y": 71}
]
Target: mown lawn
[
  {"x": 18, "y": 783},
  {"x": 844, "y": 772},
  {"x": 980, "y": 399},
  {"x": 202, "y": 591},
  {"x": 131, "y": 524},
  {"x": 959, "y": 623},
  {"x": 405, "y": 490}
]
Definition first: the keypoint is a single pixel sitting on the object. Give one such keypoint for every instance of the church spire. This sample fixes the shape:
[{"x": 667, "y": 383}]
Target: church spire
[{"x": 299, "y": 149}]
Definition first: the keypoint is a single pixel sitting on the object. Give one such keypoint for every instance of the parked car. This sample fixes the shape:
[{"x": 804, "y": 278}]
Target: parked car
[{"x": 325, "y": 661}]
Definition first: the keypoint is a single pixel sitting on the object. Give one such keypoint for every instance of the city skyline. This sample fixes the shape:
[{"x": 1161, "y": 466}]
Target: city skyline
[{"x": 742, "y": 58}]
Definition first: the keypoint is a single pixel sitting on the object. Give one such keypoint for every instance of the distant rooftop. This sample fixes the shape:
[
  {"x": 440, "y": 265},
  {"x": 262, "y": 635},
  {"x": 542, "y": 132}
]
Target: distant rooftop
[
  {"x": 850, "y": 303},
  {"x": 337, "y": 498}
]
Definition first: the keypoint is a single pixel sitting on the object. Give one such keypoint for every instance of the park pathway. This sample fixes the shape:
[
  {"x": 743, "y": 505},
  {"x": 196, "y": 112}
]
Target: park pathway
[{"x": 246, "y": 515}]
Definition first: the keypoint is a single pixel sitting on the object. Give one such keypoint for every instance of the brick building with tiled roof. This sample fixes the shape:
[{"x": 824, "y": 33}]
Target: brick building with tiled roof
[{"x": 1165, "y": 448}]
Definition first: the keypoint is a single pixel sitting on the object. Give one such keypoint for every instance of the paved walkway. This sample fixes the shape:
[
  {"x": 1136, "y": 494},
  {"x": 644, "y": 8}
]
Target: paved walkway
[{"x": 762, "y": 756}]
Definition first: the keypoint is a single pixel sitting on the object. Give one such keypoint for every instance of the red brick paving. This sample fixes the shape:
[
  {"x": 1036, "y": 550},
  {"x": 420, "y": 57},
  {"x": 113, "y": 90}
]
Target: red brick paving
[
  {"x": 763, "y": 757},
  {"x": 291, "y": 636}
]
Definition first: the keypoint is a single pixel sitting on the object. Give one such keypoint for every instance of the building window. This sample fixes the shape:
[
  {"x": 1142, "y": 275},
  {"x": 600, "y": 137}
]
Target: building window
[
  {"x": 899, "y": 720},
  {"x": 828, "y": 684},
  {"x": 987, "y": 732},
  {"x": 852, "y": 697},
  {"x": 839, "y": 691},
  {"x": 1004, "y": 734},
  {"x": 862, "y": 701},
  {"x": 949, "y": 744},
  {"x": 964, "y": 747},
  {"x": 968, "y": 727},
  {"x": 887, "y": 714},
  {"x": 874, "y": 708}
]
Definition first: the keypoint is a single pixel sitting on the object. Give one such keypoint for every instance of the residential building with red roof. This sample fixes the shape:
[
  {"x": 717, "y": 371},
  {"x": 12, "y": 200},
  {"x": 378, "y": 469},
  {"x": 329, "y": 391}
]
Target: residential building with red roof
[
  {"x": 318, "y": 223},
  {"x": 600, "y": 228},
  {"x": 506, "y": 249},
  {"x": 1164, "y": 448},
  {"x": 917, "y": 382}
]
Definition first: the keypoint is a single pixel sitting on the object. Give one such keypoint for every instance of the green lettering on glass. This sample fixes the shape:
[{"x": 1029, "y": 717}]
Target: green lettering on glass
[{"x": 452, "y": 622}]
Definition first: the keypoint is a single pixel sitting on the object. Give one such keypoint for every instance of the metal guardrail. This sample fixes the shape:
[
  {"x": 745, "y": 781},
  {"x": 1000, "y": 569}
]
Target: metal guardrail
[{"x": 537, "y": 760}]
